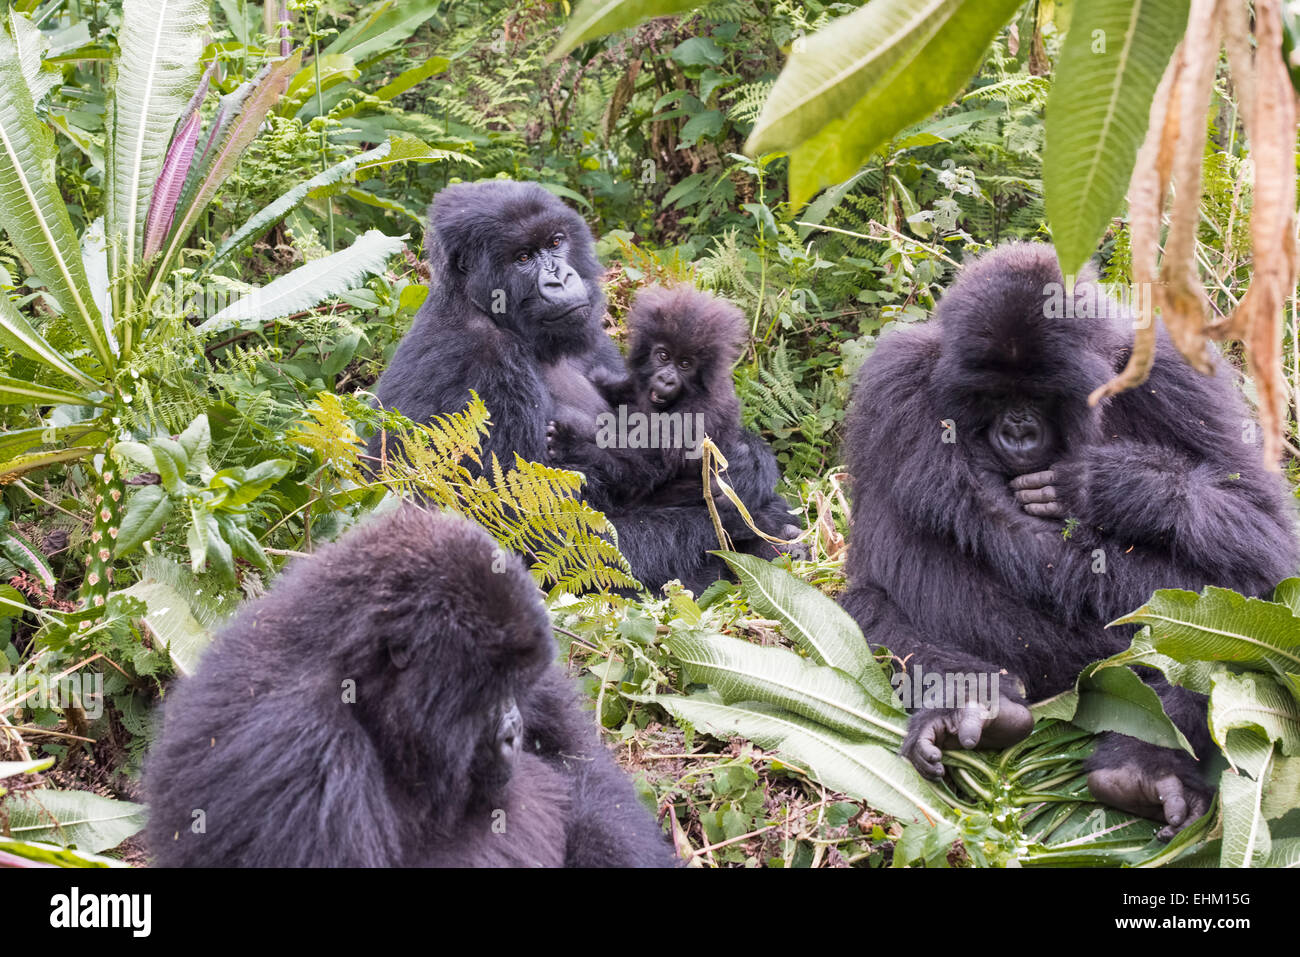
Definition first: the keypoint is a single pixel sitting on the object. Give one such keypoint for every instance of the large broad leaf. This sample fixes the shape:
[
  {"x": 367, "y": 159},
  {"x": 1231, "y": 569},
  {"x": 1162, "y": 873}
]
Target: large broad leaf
[
  {"x": 1111, "y": 62},
  {"x": 31, "y": 45},
  {"x": 156, "y": 73},
  {"x": 858, "y": 81},
  {"x": 171, "y": 619},
  {"x": 740, "y": 671},
  {"x": 814, "y": 622},
  {"x": 33, "y": 214},
  {"x": 1115, "y": 699},
  {"x": 1194, "y": 675},
  {"x": 90, "y": 822},
  {"x": 146, "y": 511},
  {"x": 1220, "y": 624},
  {"x": 262, "y": 221},
  {"x": 1258, "y": 703},
  {"x": 862, "y": 770},
  {"x": 595, "y": 18},
  {"x": 310, "y": 284}
]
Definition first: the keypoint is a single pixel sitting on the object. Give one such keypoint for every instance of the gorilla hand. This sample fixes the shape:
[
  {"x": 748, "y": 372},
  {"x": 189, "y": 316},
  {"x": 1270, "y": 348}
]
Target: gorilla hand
[
  {"x": 1155, "y": 782},
  {"x": 931, "y": 730},
  {"x": 799, "y": 551},
  {"x": 560, "y": 441},
  {"x": 1036, "y": 494}
]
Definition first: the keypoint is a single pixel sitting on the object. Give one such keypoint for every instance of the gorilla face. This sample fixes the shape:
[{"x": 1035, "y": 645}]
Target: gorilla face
[
  {"x": 522, "y": 258},
  {"x": 1023, "y": 438},
  {"x": 499, "y": 747},
  {"x": 666, "y": 374}
]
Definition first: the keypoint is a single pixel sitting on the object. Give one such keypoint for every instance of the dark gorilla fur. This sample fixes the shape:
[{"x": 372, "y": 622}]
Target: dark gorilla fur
[
  {"x": 528, "y": 338},
  {"x": 461, "y": 712},
  {"x": 958, "y": 560},
  {"x": 683, "y": 344}
]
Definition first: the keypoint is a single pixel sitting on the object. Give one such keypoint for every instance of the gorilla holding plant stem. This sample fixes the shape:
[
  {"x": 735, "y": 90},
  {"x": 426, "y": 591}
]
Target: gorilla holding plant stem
[
  {"x": 394, "y": 700},
  {"x": 1000, "y": 522},
  {"x": 682, "y": 346},
  {"x": 514, "y": 313}
]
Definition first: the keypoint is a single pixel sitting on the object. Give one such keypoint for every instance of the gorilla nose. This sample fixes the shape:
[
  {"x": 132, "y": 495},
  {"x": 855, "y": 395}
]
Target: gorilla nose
[
  {"x": 1020, "y": 427},
  {"x": 563, "y": 282},
  {"x": 512, "y": 730}
]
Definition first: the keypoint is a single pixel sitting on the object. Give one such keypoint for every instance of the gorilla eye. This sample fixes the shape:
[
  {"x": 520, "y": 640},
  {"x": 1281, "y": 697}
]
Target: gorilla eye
[
  {"x": 521, "y": 257},
  {"x": 556, "y": 240},
  {"x": 685, "y": 364},
  {"x": 662, "y": 355}
]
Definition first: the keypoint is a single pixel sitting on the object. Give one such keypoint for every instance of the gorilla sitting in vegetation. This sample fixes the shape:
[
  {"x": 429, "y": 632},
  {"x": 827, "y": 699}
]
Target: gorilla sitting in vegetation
[
  {"x": 1000, "y": 522},
  {"x": 415, "y": 716},
  {"x": 642, "y": 437},
  {"x": 515, "y": 314}
]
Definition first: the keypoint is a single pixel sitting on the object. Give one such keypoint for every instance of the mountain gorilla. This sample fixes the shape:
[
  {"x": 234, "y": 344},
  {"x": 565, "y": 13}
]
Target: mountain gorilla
[
  {"x": 970, "y": 438},
  {"x": 683, "y": 344},
  {"x": 514, "y": 313},
  {"x": 413, "y": 717}
]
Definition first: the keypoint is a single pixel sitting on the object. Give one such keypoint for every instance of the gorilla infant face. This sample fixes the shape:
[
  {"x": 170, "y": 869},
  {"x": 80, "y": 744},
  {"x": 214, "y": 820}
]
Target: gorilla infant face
[
  {"x": 1023, "y": 437},
  {"x": 666, "y": 373}
]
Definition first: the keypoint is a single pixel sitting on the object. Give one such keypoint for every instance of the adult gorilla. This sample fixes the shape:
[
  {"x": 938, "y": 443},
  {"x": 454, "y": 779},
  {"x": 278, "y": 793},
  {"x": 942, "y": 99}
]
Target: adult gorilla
[
  {"x": 969, "y": 442},
  {"x": 514, "y": 313}
]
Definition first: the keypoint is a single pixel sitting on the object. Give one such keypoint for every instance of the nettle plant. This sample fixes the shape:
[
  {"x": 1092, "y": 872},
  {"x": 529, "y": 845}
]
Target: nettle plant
[{"x": 104, "y": 333}]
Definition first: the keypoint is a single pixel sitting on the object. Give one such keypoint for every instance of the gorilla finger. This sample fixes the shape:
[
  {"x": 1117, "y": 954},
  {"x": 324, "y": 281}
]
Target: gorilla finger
[
  {"x": 1169, "y": 792},
  {"x": 970, "y": 724},
  {"x": 1045, "y": 510},
  {"x": 1033, "y": 480},
  {"x": 1044, "y": 495}
]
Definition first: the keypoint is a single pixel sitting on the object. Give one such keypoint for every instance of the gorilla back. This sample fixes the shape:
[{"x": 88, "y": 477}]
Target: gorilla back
[{"x": 393, "y": 701}]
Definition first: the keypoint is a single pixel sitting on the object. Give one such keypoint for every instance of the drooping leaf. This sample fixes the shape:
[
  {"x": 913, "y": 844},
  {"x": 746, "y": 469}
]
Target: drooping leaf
[
  {"x": 595, "y": 18},
  {"x": 18, "y": 334},
  {"x": 1111, "y": 62},
  {"x": 146, "y": 511},
  {"x": 854, "y": 84},
  {"x": 19, "y": 392},
  {"x": 1220, "y": 624}
]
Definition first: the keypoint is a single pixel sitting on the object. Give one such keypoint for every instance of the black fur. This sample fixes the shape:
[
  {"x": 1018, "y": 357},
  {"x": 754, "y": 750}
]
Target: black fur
[
  {"x": 954, "y": 570},
  {"x": 439, "y": 635},
  {"x": 528, "y": 370}
]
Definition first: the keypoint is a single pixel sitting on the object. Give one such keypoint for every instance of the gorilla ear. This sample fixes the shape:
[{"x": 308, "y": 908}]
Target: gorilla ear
[{"x": 401, "y": 648}]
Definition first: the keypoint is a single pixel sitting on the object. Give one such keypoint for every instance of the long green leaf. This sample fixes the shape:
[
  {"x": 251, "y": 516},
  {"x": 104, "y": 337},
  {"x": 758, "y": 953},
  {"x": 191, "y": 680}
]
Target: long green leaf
[
  {"x": 1115, "y": 699},
  {"x": 311, "y": 283},
  {"x": 595, "y": 18},
  {"x": 1246, "y": 839},
  {"x": 91, "y": 822},
  {"x": 740, "y": 671},
  {"x": 32, "y": 211},
  {"x": 1256, "y": 702},
  {"x": 156, "y": 73},
  {"x": 814, "y": 622},
  {"x": 382, "y": 26},
  {"x": 862, "y": 770},
  {"x": 19, "y": 392},
  {"x": 18, "y": 334},
  {"x": 1113, "y": 57},
  {"x": 263, "y": 220},
  {"x": 38, "y": 460}
]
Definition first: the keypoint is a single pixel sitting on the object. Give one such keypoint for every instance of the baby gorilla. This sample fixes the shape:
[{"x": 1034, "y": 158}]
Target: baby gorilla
[
  {"x": 683, "y": 344},
  {"x": 393, "y": 701}
]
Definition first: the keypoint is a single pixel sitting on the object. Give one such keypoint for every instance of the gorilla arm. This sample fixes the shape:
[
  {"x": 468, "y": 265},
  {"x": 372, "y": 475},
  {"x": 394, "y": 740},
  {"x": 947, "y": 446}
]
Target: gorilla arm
[
  {"x": 931, "y": 730},
  {"x": 607, "y": 825}
]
